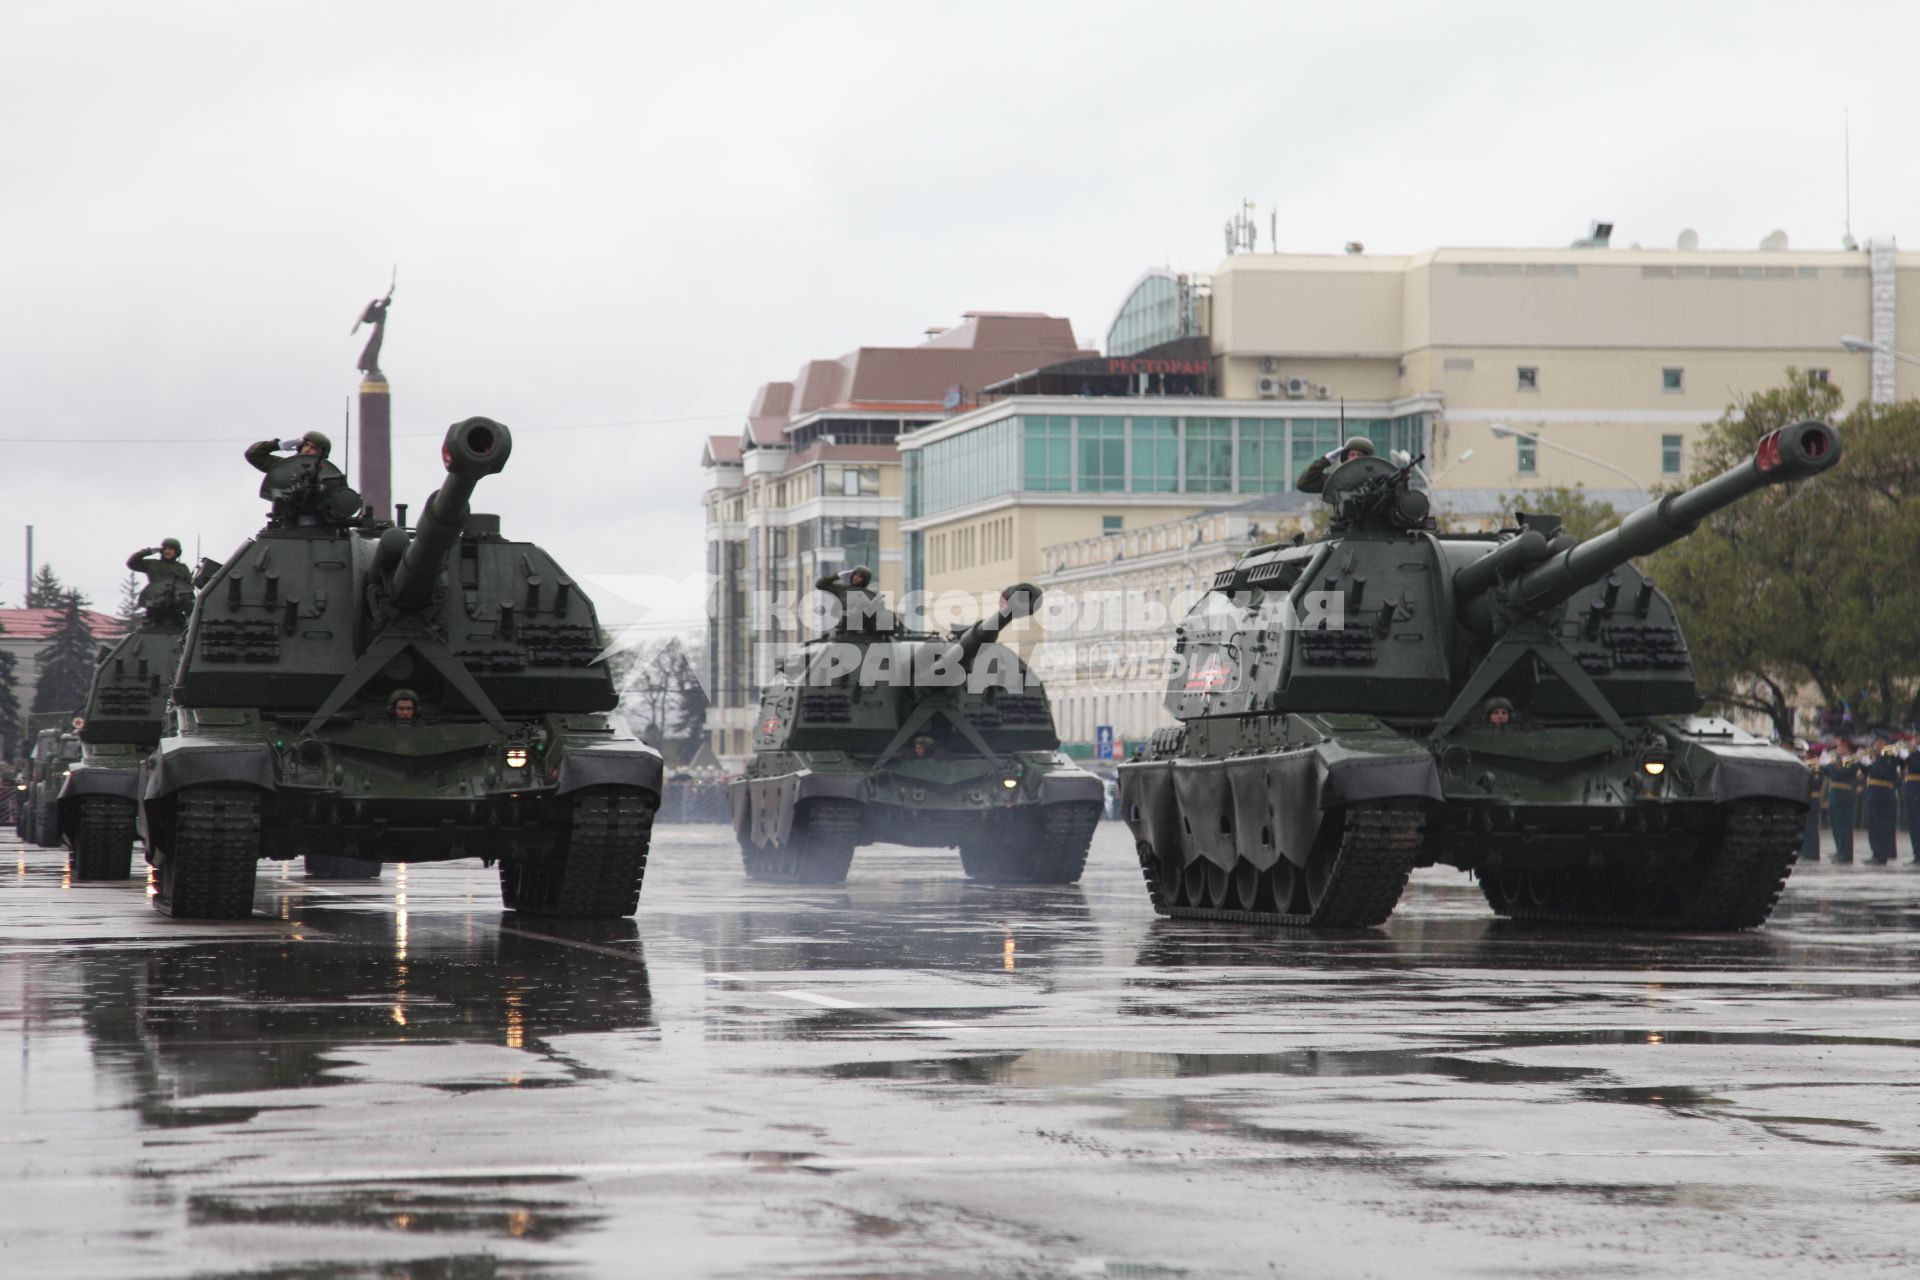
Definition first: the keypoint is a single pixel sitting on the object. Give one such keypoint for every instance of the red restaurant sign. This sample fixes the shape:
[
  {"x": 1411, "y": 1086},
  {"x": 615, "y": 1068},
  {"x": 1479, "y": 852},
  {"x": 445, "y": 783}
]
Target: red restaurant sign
[{"x": 1135, "y": 365}]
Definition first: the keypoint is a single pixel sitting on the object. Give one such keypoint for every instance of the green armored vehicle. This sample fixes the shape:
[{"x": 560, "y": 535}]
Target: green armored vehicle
[
  {"x": 873, "y": 734},
  {"x": 126, "y": 705},
  {"x": 359, "y": 690},
  {"x": 55, "y": 752},
  {"x": 1519, "y": 705}
]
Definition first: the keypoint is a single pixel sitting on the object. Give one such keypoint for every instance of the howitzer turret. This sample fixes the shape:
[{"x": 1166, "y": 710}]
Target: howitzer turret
[
  {"x": 910, "y": 737},
  {"x": 356, "y": 696},
  {"x": 1390, "y": 697},
  {"x": 1016, "y": 602},
  {"x": 1799, "y": 452},
  {"x": 473, "y": 450}
]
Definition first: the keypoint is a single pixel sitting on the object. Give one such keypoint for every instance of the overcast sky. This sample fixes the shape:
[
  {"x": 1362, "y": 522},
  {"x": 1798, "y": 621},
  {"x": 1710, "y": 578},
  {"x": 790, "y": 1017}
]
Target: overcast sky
[{"x": 637, "y": 213}]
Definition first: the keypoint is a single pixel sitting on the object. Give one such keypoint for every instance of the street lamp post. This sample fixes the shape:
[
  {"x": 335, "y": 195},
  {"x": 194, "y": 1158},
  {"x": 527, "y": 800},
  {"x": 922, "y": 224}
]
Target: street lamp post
[
  {"x": 1501, "y": 431},
  {"x": 1867, "y": 347}
]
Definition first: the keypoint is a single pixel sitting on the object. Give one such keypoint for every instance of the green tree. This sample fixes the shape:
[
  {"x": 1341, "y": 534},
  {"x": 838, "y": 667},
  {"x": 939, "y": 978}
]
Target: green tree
[
  {"x": 13, "y": 730},
  {"x": 66, "y": 664},
  {"x": 1580, "y": 514},
  {"x": 45, "y": 591},
  {"x": 129, "y": 612},
  {"x": 1808, "y": 583}
]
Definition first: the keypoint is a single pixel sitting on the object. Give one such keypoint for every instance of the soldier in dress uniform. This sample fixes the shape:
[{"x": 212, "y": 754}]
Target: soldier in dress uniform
[
  {"x": 1910, "y": 793},
  {"x": 1810, "y": 833},
  {"x": 1841, "y": 779},
  {"x": 1882, "y": 800}
]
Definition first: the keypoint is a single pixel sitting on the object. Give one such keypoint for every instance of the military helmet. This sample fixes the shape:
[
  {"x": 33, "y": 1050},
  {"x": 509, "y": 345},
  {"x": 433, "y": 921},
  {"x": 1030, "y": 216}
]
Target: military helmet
[
  {"x": 1492, "y": 705},
  {"x": 170, "y": 544},
  {"x": 860, "y": 571},
  {"x": 399, "y": 696},
  {"x": 320, "y": 440},
  {"x": 1358, "y": 444}
]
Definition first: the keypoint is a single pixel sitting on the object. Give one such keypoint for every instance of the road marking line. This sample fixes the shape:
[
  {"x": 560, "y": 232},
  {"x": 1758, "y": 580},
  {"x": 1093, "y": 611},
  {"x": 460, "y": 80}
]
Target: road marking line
[{"x": 825, "y": 1002}]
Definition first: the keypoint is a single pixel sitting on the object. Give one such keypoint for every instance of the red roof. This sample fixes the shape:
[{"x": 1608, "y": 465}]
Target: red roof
[{"x": 41, "y": 624}]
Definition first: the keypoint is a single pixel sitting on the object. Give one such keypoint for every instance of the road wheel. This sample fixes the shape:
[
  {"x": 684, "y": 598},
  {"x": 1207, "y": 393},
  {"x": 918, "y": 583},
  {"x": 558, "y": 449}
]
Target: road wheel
[
  {"x": 207, "y": 869},
  {"x": 597, "y": 870},
  {"x": 103, "y": 839}
]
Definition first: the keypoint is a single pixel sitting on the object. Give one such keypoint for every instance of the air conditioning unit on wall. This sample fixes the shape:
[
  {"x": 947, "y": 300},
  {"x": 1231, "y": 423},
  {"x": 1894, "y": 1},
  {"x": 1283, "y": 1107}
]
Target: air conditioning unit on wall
[
  {"x": 1298, "y": 388},
  {"x": 1271, "y": 388}
]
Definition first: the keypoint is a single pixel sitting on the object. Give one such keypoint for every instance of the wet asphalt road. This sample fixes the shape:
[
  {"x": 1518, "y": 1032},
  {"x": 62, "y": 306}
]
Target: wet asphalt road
[{"x": 914, "y": 1075}]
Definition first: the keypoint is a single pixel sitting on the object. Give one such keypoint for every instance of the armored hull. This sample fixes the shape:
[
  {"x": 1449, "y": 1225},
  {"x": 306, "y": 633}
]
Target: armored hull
[
  {"x": 912, "y": 738},
  {"x": 1521, "y": 707},
  {"x": 384, "y": 695},
  {"x": 126, "y": 707}
]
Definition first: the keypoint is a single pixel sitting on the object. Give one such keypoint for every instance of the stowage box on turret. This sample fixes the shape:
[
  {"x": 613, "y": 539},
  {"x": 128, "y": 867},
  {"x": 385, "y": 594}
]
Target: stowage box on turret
[
  {"x": 874, "y": 734},
  {"x": 1517, "y": 705},
  {"x": 364, "y": 691}
]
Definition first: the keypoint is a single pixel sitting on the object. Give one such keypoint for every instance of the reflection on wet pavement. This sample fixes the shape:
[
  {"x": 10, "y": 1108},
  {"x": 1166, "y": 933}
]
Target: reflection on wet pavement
[{"x": 915, "y": 1075}]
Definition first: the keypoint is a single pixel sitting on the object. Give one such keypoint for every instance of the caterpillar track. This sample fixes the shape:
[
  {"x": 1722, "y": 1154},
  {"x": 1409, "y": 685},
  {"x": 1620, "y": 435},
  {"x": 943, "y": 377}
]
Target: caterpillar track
[
  {"x": 103, "y": 838},
  {"x": 1732, "y": 884},
  {"x": 207, "y": 866},
  {"x": 1061, "y": 833},
  {"x": 1352, "y": 880},
  {"x": 819, "y": 848},
  {"x": 597, "y": 871}
]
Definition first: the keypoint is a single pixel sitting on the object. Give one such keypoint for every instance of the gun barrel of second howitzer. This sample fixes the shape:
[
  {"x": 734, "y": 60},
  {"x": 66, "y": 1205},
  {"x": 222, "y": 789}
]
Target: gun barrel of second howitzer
[
  {"x": 1017, "y": 601},
  {"x": 1798, "y": 452},
  {"x": 473, "y": 450}
]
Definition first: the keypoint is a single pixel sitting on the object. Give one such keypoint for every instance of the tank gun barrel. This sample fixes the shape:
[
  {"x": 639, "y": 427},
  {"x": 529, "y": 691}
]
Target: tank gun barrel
[
  {"x": 473, "y": 450},
  {"x": 1798, "y": 452},
  {"x": 1016, "y": 602}
]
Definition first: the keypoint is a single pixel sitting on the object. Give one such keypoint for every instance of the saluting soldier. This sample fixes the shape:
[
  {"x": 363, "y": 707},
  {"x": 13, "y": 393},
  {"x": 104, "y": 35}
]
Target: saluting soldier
[
  {"x": 1841, "y": 778},
  {"x": 299, "y": 486},
  {"x": 1910, "y": 792},
  {"x": 1883, "y": 801},
  {"x": 1314, "y": 478},
  {"x": 859, "y": 606},
  {"x": 1810, "y": 832},
  {"x": 168, "y": 595}
]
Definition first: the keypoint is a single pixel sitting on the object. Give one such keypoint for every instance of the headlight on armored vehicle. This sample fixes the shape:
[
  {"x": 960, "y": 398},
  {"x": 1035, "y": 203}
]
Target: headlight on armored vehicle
[
  {"x": 1011, "y": 781},
  {"x": 516, "y": 755},
  {"x": 1654, "y": 761}
]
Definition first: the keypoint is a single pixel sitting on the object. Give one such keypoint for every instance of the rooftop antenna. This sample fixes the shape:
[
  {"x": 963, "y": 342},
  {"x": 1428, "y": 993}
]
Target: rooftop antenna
[
  {"x": 1242, "y": 231},
  {"x": 1846, "y": 150}
]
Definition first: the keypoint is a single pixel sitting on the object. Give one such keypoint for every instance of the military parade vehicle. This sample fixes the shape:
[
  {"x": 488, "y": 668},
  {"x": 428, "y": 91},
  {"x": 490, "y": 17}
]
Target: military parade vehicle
[
  {"x": 873, "y": 733},
  {"x": 1517, "y": 705},
  {"x": 56, "y": 749},
  {"x": 126, "y": 704},
  {"x": 356, "y": 689}
]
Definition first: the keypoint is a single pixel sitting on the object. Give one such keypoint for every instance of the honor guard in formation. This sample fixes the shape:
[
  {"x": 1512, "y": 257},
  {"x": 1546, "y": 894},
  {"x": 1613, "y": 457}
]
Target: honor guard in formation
[
  {"x": 1882, "y": 777},
  {"x": 1910, "y": 794},
  {"x": 1810, "y": 833},
  {"x": 1841, "y": 778}
]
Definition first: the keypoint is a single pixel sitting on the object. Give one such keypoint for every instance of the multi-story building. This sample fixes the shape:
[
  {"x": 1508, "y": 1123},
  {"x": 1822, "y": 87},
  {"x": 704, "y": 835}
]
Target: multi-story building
[
  {"x": 811, "y": 484},
  {"x": 1509, "y": 369}
]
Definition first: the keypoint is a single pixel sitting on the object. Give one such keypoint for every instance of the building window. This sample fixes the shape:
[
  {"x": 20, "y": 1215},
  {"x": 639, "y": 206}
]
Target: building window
[
  {"x": 1209, "y": 455},
  {"x": 1669, "y": 455},
  {"x": 1527, "y": 457},
  {"x": 1816, "y": 377},
  {"x": 1103, "y": 454},
  {"x": 1673, "y": 379},
  {"x": 1156, "y": 456},
  {"x": 850, "y": 482},
  {"x": 1049, "y": 454},
  {"x": 1112, "y": 524},
  {"x": 1529, "y": 377},
  {"x": 1263, "y": 457}
]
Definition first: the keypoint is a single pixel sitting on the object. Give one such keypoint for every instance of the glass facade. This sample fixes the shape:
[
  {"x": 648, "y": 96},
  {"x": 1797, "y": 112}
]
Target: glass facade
[
  {"x": 1127, "y": 453},
  {"x": 1160, "y": 309}
]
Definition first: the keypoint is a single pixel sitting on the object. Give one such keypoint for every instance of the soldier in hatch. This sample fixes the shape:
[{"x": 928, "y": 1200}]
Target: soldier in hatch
[
  {"x": 1498, "y": 713},
  {"x": 403, "y": 707},
  {"x": 168, "y": 595},
  {"x": 1314, "y": 478},
  {"x": 859, "y": 604},
  {"x": 300, "y": 486}
]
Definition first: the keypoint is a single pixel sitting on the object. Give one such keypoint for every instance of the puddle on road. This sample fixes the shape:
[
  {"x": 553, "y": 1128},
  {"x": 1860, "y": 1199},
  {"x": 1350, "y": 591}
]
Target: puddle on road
[
  {"x": 414, "y": 1212},
  {"x": 1044, "y": 1067}
]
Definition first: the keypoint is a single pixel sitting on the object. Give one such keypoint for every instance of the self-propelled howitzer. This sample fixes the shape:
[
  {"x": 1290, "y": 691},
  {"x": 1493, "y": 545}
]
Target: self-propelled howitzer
[
  {"x": 373, "y": 693},
  {"x": 871, "y": 734},
  {"x": 1519, "y": 705}
]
